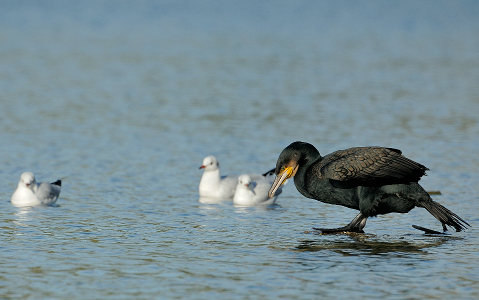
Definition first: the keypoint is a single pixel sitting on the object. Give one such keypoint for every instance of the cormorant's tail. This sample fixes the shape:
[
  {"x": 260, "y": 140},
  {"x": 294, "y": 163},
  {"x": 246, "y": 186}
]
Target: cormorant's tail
[{"x": 444, "y": 215}]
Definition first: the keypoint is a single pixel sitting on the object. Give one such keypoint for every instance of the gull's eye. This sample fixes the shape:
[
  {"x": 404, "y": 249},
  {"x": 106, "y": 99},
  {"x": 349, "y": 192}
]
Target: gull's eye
[{"x": 282, "y": 169}]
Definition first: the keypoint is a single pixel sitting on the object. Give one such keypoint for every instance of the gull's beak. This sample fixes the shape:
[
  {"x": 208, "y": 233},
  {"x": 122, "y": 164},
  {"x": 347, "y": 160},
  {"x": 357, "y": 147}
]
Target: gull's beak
[
  {"x": 281, "y": 178},
  {"x": 202, "y": 167}
]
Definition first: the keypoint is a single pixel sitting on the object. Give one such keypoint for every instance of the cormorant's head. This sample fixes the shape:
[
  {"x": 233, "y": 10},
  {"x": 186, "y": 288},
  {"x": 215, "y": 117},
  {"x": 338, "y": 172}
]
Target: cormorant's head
[{"x": 296, "y": 154}]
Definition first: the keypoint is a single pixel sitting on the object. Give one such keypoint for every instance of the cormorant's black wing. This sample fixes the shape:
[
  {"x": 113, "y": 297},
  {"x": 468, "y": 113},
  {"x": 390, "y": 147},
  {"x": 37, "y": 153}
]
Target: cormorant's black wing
[{"x": 369, "y": 166}]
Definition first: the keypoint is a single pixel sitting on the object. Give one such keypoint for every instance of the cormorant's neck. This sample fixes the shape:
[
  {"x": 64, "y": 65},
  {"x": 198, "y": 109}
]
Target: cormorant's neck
[{"x": 305, "y": 162}]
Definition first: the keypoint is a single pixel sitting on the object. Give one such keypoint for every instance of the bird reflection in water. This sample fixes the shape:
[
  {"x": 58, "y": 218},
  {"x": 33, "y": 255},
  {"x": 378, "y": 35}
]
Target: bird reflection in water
[{"x": 359, "y": 244}]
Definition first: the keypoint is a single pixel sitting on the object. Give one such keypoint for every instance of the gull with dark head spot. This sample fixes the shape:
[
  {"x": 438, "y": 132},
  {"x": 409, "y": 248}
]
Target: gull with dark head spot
[
  {"x": 31, "y": 193},
  {"x": 251, "y": 192},
  {"x": 215, "y": 188}
]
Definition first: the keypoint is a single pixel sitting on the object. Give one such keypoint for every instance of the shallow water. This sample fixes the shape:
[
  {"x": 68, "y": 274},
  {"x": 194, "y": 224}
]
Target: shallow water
[{"x": 124, "y": 100}]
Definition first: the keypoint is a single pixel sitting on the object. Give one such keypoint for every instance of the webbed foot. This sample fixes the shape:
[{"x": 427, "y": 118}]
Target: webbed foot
[
  {"x": 356, "y": 226},
  {"x": 427, "y": 230}
]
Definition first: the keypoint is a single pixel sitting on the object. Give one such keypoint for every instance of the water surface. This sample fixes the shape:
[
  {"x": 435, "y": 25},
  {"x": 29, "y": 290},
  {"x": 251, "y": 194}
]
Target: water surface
[{"x": 124, "y": 100}]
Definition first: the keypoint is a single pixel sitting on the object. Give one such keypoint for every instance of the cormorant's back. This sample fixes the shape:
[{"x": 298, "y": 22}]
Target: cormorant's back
[{"x": 369, "y": 166}]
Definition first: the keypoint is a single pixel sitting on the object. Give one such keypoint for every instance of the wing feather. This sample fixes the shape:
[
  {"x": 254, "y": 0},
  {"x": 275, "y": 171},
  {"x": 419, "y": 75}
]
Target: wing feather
[{"x": 369, "y": 166}]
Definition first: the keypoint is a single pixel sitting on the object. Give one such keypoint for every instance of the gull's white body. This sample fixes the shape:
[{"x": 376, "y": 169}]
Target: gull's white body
[
  {"x": 254, "y": 191},
  {"x": 31, "y": 193},
  {"x": 213, "y": 186}
]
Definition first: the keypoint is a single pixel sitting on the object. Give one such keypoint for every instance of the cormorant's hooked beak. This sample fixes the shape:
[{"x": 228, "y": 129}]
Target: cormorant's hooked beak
[{"x": 282, "y": 176}]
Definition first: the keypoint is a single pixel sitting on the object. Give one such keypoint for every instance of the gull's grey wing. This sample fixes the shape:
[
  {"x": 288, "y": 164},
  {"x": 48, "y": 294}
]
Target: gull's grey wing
[{"x": 48, "y": 193}]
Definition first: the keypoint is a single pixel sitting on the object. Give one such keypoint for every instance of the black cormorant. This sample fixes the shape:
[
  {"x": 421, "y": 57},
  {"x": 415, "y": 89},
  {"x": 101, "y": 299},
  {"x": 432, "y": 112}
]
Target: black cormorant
[{"x": 373, "y": 180}]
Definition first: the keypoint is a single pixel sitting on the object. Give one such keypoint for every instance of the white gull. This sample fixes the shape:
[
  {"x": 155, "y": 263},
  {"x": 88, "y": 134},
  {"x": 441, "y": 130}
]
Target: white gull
[
  {"x": 251, "y": 192},
  {"x": 215, "y": 188},
  {"x": 31, "y": 193}
]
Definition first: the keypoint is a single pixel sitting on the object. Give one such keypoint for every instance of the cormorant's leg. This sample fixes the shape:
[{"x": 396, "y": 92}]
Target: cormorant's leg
[{"x": 356, "y": 225}]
